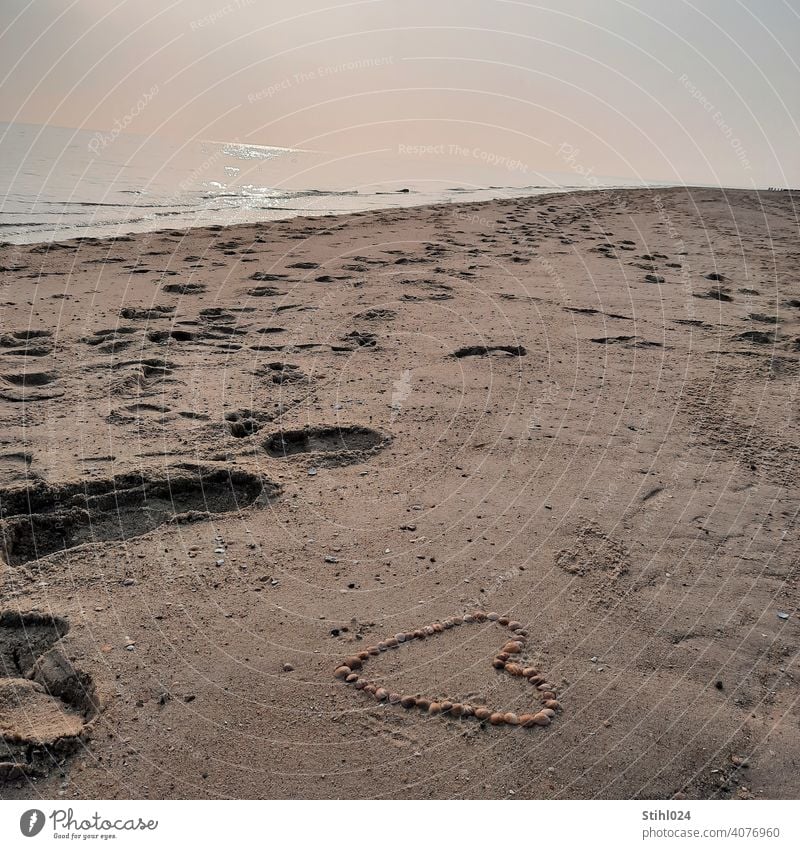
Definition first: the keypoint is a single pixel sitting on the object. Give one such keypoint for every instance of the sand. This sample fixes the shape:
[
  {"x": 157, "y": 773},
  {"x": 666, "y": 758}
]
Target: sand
[{"x": 231, "y": 459}]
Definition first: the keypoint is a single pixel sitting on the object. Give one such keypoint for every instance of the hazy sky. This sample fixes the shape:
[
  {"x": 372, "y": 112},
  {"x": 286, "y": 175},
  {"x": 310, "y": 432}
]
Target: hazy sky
[{"x": 705, "y": 91}]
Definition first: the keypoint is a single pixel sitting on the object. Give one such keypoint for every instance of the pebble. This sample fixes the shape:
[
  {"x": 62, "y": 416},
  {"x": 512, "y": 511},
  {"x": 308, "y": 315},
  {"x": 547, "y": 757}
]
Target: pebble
[
  {"x": 497, "y": 718},
  {"x": 541, "y": 719},
  {"x": 353, "y": 662},
  {"x": 513, "y": 647},
  {"x": 401, "y": 638},
  {"x": 493, "y": 617},
  {"x": 548, "y": 712},
  {"x": 482, "y": 713},
  {"x": 408, "y": 701},
  {"x": 548, "y": 696},
  {"x": 515, "y": 626},
  {"x": 527, "y": 720},
  {"x": 381, "y": 694},
  {"x": 529, "y": 671},
  {"x": 395, "y": 698},
  {"x": 423, "y": 704},
  {"x": 511, "y": 718},
  {"x": 447, "y": 707},
  {"x": 342, "y": 672},
  {"x": 434, "y": 708},
  {"x": 287, "y": 667},
  {"x": 351, "y": 678},
  {"x": 513, "y": 669},
  {"x": 552, "y": 704},
  {"x": 457, "y": 709},
  {"x": 497, "y": 663}
]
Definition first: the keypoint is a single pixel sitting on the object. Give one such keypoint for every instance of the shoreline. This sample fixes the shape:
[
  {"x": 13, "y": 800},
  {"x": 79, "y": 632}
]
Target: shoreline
[{"x": 311, "y": 214}]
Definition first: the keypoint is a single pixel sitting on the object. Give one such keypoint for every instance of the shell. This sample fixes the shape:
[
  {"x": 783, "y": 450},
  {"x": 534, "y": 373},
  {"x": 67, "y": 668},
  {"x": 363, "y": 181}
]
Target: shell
[{"x": 394, "y": 698}]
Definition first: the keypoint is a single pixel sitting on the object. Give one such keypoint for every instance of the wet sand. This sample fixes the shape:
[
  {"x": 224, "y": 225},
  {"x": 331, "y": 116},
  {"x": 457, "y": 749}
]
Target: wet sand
[{"x": 231, "y": 459}]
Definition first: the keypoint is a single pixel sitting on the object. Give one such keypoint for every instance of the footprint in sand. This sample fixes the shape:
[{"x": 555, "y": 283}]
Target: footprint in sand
[
  {"x": 39, "y": 519},
  {"x": 328, "y": 445},
  {"x": 46, "y": 705}
]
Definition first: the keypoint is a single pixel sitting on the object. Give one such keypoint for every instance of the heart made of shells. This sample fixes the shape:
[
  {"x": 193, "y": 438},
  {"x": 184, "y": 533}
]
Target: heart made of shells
[{"x": 350, "y": 672}]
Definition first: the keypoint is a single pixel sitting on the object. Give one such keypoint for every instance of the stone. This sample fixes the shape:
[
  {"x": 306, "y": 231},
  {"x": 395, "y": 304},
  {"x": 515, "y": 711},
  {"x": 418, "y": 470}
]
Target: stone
[{"x": 342, "y": 672}]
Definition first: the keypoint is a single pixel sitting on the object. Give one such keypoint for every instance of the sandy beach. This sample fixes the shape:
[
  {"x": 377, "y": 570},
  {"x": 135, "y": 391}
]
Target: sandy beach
[{"x": 234, "y": 459}]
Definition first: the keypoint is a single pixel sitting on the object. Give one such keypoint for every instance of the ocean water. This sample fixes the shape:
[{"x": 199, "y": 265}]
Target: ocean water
[{"x": 58, "y": 183}]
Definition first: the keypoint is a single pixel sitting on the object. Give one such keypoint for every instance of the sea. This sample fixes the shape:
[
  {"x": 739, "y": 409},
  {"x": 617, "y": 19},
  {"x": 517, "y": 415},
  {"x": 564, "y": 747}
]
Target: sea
[{"x": 60, "y": 183}]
